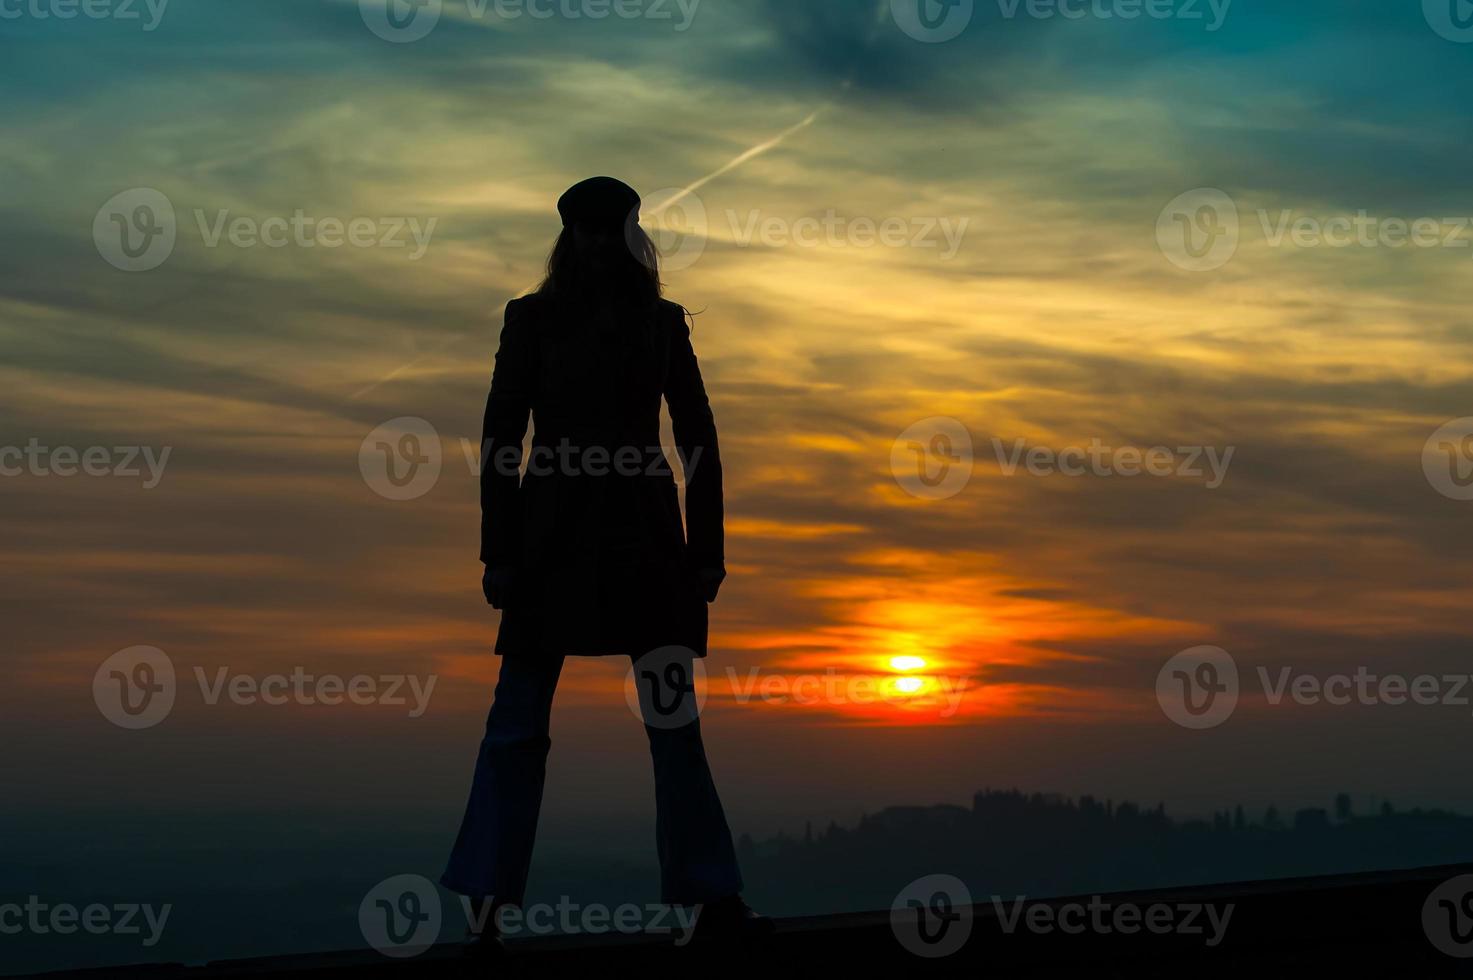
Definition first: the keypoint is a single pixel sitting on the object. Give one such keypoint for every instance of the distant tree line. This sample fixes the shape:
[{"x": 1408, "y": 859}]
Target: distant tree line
[{"x": 1046, "y": 845}]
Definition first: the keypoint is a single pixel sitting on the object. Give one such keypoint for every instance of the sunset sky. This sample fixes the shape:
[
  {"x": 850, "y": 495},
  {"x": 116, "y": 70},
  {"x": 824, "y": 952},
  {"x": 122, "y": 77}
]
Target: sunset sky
[{"x": 1048, "y": 146}]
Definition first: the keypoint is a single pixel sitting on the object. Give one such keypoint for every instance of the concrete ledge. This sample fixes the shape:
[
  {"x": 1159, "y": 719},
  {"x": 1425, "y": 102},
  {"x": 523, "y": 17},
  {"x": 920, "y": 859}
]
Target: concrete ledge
[{"x": 1364, "y": 924}]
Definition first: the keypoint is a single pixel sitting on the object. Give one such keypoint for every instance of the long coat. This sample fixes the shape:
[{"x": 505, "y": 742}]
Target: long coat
[{"x": 602, "y": 564}]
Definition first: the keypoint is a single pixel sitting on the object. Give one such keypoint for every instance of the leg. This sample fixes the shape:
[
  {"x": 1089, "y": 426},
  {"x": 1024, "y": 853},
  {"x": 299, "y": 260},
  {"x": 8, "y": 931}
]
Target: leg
[
  {"x": 697, "y": 860},
  {"x": 493, "y": 852}
]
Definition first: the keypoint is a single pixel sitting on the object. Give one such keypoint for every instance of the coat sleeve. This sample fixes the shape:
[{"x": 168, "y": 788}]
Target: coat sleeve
[
  {"x": 695, "y": 438},
  {"x": 508, "y": 409}
]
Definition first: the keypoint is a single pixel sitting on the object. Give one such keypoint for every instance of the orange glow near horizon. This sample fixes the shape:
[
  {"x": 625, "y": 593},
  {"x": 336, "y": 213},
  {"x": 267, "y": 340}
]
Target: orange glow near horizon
[{"x": 1021, "y": 597}]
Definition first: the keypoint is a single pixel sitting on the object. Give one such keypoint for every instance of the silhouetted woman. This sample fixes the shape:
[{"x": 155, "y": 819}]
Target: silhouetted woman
[{"x": 586, "y": 556}]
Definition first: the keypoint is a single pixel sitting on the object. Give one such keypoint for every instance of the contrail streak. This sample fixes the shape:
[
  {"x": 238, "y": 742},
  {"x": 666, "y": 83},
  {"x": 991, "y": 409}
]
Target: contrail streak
[
  {"x": 741, "y": 158},
  {"x": 738, "y": 160}
]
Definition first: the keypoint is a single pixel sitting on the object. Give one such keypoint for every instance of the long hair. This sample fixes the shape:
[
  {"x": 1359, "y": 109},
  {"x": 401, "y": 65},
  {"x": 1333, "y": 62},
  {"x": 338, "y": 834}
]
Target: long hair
[{"x": 621, "y": 271}]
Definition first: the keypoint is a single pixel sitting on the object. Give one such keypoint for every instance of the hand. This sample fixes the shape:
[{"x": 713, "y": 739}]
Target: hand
[
  {"x": 710, "y": 580},
  {"x": 496, "y": 583}
]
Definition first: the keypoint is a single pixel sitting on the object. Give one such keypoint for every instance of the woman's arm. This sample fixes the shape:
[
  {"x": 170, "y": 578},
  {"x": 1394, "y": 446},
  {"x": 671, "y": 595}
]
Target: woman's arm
[
  {"x": 508, "y": 409},
  {"x": 695, "y": 438}
]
